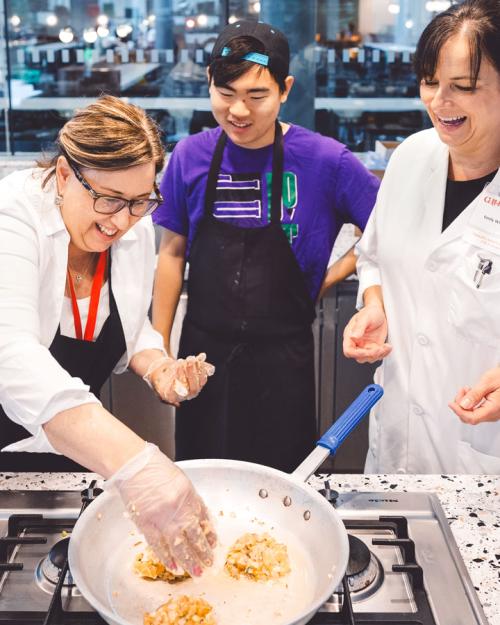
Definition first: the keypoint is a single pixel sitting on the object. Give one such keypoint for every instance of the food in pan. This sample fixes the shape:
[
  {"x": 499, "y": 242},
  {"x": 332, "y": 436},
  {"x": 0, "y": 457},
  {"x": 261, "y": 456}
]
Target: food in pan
[
  {"x": 147, "y": 565},
  {"x": 183, "y": 610},
  {"x": 258, "y": 557}
]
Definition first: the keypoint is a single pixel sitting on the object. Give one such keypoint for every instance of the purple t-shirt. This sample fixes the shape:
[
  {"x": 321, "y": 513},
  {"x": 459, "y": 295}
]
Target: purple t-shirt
[{"x": 324, "y": 187}]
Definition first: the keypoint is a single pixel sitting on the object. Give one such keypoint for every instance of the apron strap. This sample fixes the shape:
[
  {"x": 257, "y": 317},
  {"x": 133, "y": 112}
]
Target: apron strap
[
  {"x": 213, "y": 173},
  {"x": 277, "y": 178}
]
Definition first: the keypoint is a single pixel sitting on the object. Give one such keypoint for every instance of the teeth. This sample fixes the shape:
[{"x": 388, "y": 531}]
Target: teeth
[
  {"x": 451, "y": 119},
  {"x": 107, "y": 231},
  {"x": 240, "y": 125}
]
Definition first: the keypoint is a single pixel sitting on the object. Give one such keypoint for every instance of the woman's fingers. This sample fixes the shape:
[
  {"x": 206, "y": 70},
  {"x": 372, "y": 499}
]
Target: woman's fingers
[
  {"x": 485, "y": 412},
  {"x": 184, "y": 554},
  {"x": 370, "y": 352},
  {"x": 198, "y": 543}
]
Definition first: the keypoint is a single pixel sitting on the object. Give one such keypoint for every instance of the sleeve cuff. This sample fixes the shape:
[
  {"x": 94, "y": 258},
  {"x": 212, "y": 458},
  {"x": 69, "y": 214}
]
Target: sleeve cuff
[
  {"x": 148, "y": 338},
  {"x": 370, "y": 276},
  {"x": 39, "y": 442}
]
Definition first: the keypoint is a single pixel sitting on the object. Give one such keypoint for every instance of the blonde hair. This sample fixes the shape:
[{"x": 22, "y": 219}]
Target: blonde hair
[{"x": 108, "y": 134}]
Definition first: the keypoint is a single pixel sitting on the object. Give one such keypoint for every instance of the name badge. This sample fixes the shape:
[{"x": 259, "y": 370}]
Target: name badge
[{"x": 483, "y": 228}]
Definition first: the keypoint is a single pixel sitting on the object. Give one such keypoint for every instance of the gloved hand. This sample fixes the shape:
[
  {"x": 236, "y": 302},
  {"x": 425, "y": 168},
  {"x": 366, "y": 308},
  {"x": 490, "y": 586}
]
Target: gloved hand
[
  {"x": 177, "y": 380},
  {"x": 166, "y": 508}
]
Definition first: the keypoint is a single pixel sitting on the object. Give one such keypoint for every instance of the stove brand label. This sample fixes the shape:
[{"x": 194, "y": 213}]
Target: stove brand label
[{"x": 383, "y": 500}]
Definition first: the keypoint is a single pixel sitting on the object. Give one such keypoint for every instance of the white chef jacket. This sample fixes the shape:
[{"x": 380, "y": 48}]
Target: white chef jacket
[
  {"x": 33, "y": 263},
  {"x": 445, "y": 332}
]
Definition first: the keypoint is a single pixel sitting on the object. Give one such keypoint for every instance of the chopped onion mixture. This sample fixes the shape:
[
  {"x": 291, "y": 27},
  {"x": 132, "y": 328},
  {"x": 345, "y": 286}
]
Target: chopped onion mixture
[
  {"x": 258, "y": 557},
  {"x": 183, "y": 610},
  {"x": 147, "y": 565}
]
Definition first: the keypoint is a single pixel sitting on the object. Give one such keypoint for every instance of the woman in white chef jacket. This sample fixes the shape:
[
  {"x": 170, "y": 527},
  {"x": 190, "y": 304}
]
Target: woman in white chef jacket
[
  {"x": 429, "y": 263},
  {"x": 76, "y": 276}
]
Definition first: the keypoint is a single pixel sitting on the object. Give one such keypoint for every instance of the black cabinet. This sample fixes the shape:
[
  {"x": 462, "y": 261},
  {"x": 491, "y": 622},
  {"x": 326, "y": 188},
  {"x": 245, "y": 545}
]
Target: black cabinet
[{"x": 339, "y": 379}]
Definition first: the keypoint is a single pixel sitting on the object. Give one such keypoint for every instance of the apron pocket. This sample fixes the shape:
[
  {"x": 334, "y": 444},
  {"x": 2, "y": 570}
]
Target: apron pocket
[
  {"x": 471, "y": 460},
  {"x": 474, "y": 311}
]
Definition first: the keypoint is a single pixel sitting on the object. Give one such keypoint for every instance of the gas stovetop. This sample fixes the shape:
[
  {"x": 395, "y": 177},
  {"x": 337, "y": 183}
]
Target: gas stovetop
[{"x": 405, "y": 567}]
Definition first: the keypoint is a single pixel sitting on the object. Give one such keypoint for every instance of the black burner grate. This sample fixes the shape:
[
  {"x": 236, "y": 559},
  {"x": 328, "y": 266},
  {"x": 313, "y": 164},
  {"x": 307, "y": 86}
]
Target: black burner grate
[
  {"x": 423, "y": 616},
  {"x": 20, "y": 524}
]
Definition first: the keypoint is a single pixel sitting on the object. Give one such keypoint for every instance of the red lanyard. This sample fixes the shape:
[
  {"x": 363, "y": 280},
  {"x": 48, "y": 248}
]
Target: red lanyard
[{"x": 94, "y": 300}]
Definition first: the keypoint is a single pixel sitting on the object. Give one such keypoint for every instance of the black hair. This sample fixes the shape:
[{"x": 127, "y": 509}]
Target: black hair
[
  {"x": 478, "y": 19},
  {"x": 225, "y": 69}
]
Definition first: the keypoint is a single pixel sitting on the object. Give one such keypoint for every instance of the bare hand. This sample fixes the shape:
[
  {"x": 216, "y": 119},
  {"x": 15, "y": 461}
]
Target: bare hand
[
  {"x": 481, "y": 403},
  {"x": 365, "y": 334}
]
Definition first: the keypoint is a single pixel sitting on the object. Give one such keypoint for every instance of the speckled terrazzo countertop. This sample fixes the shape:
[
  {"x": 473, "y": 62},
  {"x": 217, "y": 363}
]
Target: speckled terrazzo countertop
[{"x": 471, "y": 504}]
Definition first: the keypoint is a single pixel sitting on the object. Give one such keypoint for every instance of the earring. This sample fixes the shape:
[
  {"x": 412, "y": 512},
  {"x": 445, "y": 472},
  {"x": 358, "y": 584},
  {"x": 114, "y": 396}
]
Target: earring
[{"x": 59, "y": 200}]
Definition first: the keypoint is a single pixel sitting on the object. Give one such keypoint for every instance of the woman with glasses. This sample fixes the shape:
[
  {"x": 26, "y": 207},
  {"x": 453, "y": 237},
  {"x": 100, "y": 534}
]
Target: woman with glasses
[{"x": 76, "y": 276}]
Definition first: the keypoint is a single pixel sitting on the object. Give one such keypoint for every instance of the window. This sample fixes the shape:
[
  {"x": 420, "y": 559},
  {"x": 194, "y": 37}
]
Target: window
[{"x": 351, "y": 58}]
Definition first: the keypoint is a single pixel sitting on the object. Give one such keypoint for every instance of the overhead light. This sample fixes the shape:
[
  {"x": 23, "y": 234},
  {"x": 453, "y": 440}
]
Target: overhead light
[
  {"x": 102, "y": 20},
  {"x": 15, "y": 20},
  {"x": 102, "y": 31},
  {"x": 190, "y": 23},
  {"x": 393, "y": 8},
  {"x": 151, "y": 18},
  {"x": 409, "y": 24},
  {"x": 256, "y": 7},
  {"x": 202, "y": 20},
  {"x": 232, "y": 19},
  {"x": 123, "y": 30},
  {"x": 66, "y": 35},
  {"x": 51, "y": 20},
  {"x": 436, "y": 6},
  {"x": 90, "y": 35}
]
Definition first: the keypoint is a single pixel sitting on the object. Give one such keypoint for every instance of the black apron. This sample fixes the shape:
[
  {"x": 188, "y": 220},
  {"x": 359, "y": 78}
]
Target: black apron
[
  {"x": 93, "y": 362},
  {"x": 249, "y": 309}
]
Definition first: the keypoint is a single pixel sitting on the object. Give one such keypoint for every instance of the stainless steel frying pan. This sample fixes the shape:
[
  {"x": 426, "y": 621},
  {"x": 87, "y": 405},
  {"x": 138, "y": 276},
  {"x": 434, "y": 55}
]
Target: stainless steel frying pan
[{"x": 242, "y": 497}]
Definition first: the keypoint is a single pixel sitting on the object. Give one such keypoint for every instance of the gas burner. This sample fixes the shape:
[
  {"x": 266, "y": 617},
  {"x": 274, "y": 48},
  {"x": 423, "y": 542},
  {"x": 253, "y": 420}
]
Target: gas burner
[
  {"x": 328, "y": 493},
  {"x": 48, "y": 570},
  {"x": 364, "y": 571}
]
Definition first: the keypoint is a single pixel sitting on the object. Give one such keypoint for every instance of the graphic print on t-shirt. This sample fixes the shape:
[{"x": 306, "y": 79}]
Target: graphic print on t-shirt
[
  {"x": 289, "y": 200},
  {"x": 239, "y": 196}
]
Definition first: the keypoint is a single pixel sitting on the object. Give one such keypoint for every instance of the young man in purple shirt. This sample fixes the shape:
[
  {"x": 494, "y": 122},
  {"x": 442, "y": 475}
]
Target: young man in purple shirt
[{"x": 255, "y": 206}]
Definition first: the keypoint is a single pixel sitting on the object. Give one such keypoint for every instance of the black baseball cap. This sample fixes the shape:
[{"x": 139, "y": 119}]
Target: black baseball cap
[{"x": 276, "y": 53}]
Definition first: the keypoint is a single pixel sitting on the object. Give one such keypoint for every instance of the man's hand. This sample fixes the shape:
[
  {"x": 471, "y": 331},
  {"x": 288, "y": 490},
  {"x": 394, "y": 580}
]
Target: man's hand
[
  {"x": 481, "y": 403},
  {"x": 365, "y": 334}
]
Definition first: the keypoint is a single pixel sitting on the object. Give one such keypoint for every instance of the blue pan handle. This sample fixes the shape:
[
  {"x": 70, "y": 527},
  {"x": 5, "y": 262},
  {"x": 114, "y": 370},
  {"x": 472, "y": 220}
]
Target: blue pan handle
[{"x": 348, "y": 420}]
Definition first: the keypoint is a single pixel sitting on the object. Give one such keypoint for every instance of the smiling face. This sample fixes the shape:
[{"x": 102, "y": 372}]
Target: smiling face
[
  {"x": 91, "y": 231},
  {"x": 466, "y": 119},
  {"x": 247, "y": 108}
]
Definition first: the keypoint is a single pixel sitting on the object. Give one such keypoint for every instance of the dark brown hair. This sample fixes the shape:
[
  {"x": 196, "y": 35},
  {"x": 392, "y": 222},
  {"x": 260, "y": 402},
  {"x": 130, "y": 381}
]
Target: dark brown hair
[
  {"x": 479, "y": 20},
  {"x": 225, "y": 69},
  {"x": 108, "y": 134}
]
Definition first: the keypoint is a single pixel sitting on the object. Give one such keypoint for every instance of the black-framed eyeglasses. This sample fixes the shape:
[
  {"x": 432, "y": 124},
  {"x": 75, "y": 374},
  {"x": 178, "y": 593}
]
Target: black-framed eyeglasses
[{"x": 109, "y": 204}]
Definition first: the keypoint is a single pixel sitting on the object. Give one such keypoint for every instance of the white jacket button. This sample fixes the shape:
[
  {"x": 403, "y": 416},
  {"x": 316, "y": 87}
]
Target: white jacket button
[
  {"x": 422, "y": 339},
  {"x": 418, "y": 409},
  {"x": 432, "y": 265}
]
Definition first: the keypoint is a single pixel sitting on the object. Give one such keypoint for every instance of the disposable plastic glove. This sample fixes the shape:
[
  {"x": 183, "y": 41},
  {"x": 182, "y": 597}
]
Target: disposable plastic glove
[
  {"x": 177, "y": 380},
  {"x": 166, "y": 508}
]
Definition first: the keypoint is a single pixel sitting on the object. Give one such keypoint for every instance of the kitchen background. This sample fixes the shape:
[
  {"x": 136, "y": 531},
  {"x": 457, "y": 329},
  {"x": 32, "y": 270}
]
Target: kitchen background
[{"x": 352, "y": 60}]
